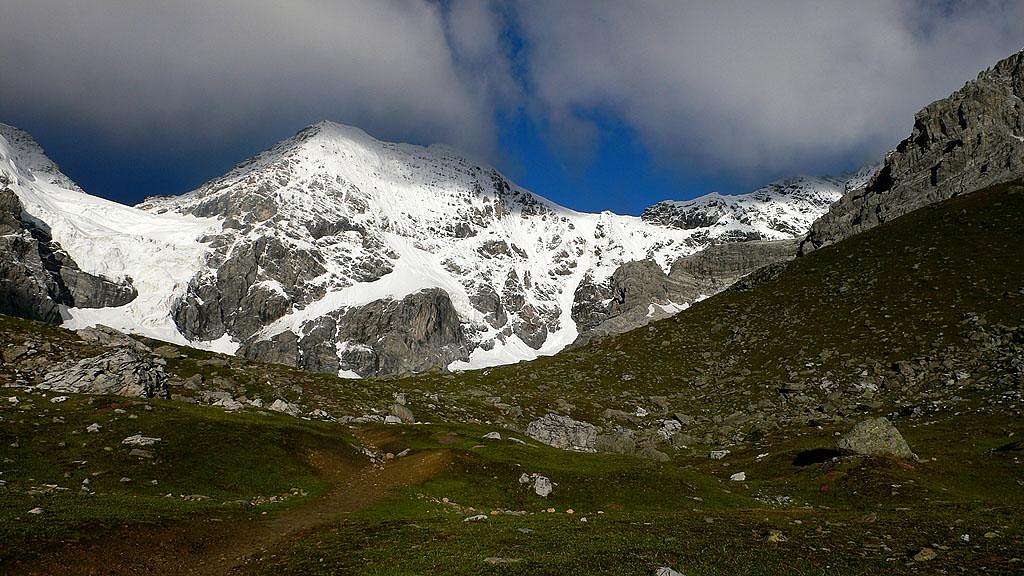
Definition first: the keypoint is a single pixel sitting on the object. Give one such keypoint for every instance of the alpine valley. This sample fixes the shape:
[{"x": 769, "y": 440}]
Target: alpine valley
[{"x": 822, "y": 377}]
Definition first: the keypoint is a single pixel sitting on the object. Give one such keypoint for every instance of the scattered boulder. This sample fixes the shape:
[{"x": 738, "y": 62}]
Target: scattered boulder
[
  {"x": 564, "y": 433},
  {"x": 403, "y": 413},
  {"x": 542, "y": 485},
  {"x": 107, "y": 336},
  {"x": 925, "y": 555},
  {"x": 718, "y": 454},
  {"x": 492, "y": 436},
  {"x": 617, "y": 441},
  {"x": 139, "y": 440},
  {"x": 875, "y": 437},
  {"x": 124, "y": 371},
  {"x": 738, "y": 477},
  {"x": 666, "y": 571},
  {"x": 284, "y": 407}
]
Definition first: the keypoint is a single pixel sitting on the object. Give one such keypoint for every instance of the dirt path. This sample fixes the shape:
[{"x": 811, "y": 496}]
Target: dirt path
[{"x": 214, "y": 547}]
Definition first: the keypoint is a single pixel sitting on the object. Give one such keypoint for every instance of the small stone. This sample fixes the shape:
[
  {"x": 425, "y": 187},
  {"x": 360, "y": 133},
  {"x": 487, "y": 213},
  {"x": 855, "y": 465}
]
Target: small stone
[
  {"x": 492, "y": 436},
  {"x": 36, "y": 510},
  {"x": 94, "y": 427},
  {"x": 58, "y": 399},
  {"x": 284, "y": 407},
  {"x": 776, "y": 536},
  {"x": 494, "y": 560},
  {"x": 718, "y": 454},
  {"x": 925, "y": 555},
  {"x": 477, "y": 518},
  {"x": 403, "y": 413},
  {"x": 542, "y": 486},
  {"x": 390, "y": 419},
  {"x": 738, "y": 477},
  {"x": 666, "y": 571},
  {"x": 139, "y": 440}
]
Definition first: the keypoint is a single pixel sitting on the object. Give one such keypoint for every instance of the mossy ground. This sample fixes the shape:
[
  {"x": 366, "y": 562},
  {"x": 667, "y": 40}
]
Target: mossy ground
[
  {"x": 206, "y": 462},
  {"x": 940, "y": 290},
  {"x": 852, "y": 516}
]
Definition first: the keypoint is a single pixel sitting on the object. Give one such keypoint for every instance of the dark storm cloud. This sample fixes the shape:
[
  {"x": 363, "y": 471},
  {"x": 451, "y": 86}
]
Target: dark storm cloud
[
  {"x": 198, "y": 71},
  {"x": 779, "y": 85},
  {"x": 741, "y": 87}
]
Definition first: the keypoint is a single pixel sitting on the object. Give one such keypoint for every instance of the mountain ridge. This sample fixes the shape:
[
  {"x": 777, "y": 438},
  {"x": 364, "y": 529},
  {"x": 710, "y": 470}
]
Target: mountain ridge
[{"x": 337, "y": 252}]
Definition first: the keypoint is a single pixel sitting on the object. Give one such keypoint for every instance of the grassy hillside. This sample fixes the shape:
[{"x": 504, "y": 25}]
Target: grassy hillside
[
  {"x": 922, "y": 309},
  {"x": 920, "y": 319}
]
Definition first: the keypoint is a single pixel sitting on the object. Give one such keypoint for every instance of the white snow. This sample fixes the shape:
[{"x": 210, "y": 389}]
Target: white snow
[
  {"x": 435, "y": 218},
  {"x": 158, "y": 252}
]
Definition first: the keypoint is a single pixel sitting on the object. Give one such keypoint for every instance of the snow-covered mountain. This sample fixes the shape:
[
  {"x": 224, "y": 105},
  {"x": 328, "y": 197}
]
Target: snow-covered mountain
[
  {"x": 336, "y": 252},
  {"x": 781, "y": 210}
]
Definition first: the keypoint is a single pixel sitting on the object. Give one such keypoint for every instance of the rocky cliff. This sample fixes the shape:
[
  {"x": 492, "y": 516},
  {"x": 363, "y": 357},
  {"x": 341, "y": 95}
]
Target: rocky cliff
[
  {"x": 970, "y": 140},
  {"x": 37, "y": 278}
]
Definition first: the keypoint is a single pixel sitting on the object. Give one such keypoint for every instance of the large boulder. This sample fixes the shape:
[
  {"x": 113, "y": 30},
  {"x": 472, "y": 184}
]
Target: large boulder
[
  {"x": 123, "y": 371},
  {"x": 563, "y": 432},
  {"x": 875, "y": 437}
]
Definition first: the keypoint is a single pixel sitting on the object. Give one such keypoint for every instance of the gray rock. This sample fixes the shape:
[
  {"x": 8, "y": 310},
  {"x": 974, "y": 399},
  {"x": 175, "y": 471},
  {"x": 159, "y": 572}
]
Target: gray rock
[
  {"x": 284, "y": 407},
  {"x": 384, "y": 337},
  {"x": 875, "y": 437},
  {"x": 37, "y": 276},
  {"x": 563, "y": 432},
  {"x": 123, "y": 371},
  {"x": 640, "y": 292},
  {"x": 139, "y": 440},
  {"x": 617, "y": 441},
  {"x": 111, "y": 337},
  {"x": 403, "y": 413},
  {"x": 968, "y": 141}
]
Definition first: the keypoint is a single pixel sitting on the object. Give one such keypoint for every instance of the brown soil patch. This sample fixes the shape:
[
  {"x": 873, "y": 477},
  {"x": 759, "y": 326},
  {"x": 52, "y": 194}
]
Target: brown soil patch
[{"x": 215, "y": 546}]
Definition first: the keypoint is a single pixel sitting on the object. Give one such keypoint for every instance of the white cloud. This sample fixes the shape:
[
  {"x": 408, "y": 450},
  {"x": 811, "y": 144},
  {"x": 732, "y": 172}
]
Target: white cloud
[
  {"x": 196, "y": 73},
  {"x": 755, "y": 86}
]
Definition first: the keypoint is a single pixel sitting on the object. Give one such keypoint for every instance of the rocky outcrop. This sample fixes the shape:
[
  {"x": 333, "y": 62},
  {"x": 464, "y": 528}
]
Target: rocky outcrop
[
  {"x": 124, "y": 371},
  {"x": 563, "y": 432},
  {"x": 712, "y": 270},
  {"x": 37, "y": 277},
  {"x": 783, "y": 209},
  {"x": 970, "y": 140},
  {"x": 640, "y": 292},
  {"x": 875, "y": 437},
  {"x": 384, "y": 337}
]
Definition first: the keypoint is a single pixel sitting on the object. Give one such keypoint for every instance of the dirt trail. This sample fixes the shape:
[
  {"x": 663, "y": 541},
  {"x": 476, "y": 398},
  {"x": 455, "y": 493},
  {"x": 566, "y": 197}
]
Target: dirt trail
[{"x": 214, "y": 547}]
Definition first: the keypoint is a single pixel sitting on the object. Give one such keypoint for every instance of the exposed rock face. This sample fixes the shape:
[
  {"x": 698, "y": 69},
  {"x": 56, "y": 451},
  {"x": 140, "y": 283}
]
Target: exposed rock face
[
  {"x": 416, "y": 333},
  {"x": 973, "y": 139},
  {"x": 123, "y": 371},
  {"x": 563, "y": 432},
  {"x": 875, "y": 437},
  {"x": 781, "y": 210},
  {"x": 37, "y": 276},
  {"x": 640, "y": 292}
]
